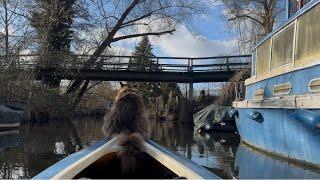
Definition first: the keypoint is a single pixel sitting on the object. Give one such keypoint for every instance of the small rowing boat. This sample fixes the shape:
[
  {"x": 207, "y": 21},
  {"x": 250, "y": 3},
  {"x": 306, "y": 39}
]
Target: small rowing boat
[{"x": 100, "y": 161}]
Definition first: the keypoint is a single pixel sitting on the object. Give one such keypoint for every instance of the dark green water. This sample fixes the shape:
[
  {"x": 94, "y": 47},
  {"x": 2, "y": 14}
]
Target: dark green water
[{"x": 26, "y": 152}]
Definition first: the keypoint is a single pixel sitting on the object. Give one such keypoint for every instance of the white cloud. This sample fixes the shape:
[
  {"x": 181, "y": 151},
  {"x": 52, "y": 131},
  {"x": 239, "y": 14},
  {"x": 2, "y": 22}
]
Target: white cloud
[
  {"x": 184, "y": 43},
  {"x": 213, "y": 3}
]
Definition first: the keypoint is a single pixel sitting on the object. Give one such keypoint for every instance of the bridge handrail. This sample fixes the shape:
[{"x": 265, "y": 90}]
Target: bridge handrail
[
  {"x": 30, "y": 61},
  {"x": 124, "y": 56}
]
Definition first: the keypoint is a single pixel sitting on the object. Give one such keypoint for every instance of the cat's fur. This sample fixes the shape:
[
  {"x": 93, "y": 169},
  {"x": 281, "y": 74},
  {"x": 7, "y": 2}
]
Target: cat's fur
[{"x": 128, "y": 119}]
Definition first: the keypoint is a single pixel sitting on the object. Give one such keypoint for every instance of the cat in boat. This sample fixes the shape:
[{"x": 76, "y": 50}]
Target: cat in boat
[{"x": 128, "y": 119}]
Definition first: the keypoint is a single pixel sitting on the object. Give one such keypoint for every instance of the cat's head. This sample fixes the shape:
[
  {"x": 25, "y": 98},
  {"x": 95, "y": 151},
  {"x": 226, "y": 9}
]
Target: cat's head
[{"x": 127, "y": 89}]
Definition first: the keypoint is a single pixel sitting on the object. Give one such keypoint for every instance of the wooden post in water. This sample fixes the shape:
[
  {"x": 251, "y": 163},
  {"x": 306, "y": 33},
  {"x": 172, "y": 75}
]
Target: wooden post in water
[
  {"x": 191, "y": 83},
  {"x": 190, "y": 91},
  {"x": 228, "y": 64}
]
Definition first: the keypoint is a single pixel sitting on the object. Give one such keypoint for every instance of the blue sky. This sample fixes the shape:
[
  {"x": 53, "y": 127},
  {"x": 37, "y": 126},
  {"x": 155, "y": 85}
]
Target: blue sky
[
  {"x": 211, "y": 27},
  {"x": 204, "y": 35},
  {"x": 214, "y": 40}
]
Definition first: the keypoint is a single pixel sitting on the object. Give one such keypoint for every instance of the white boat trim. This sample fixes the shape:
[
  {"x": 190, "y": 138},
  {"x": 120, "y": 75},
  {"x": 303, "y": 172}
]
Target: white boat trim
[
  {"x": 9, "y": 125},
  {"x": 175, "y": 166},
  {"x": 72, "y": 165},
  {"x": 74, "y": 169},
  {"x": 307, "y": 101}
]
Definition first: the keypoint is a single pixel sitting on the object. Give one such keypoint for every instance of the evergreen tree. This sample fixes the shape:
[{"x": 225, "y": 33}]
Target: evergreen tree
[
  {"x": 53, "y": 19},
  {"x": 144, "y": 62},
  {"x": 143, "y": 54}
]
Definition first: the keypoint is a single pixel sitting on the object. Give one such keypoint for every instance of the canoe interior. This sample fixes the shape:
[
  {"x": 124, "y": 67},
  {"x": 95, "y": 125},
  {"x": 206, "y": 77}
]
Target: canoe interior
[{"x": 109, "y": 167}]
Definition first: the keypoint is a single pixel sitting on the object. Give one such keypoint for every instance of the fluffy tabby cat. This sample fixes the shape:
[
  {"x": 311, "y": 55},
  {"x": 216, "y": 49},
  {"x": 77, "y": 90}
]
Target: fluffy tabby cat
[{"x": 128, "y": 119}]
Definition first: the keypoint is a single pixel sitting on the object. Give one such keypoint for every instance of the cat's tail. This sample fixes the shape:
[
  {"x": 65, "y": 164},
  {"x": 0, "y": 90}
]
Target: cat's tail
[{"x": 132, "y": 145}]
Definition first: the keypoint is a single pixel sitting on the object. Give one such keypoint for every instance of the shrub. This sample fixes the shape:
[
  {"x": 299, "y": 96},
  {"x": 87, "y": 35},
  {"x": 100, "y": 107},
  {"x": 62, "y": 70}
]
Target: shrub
[{"x": 227, "y": 92}]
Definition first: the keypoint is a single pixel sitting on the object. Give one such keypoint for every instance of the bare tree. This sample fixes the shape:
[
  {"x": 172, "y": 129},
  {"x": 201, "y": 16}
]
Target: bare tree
[
  {"x": 119, "y": 20},
  {"x": 253, "y": 19},
  {"x": 16, "y": 34}
]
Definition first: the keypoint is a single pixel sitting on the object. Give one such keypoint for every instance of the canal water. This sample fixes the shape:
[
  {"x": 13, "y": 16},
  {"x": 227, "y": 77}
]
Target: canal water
[{"x": 26, "y": 152}]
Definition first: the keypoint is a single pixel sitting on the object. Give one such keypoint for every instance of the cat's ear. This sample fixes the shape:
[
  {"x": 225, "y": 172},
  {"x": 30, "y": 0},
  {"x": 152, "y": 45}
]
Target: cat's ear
[{"x": 121, "y": 84}]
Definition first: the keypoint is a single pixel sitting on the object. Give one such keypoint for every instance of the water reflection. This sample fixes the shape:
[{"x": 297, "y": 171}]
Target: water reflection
[
  {"x": 25, "y": 153},
  {"x": 43, "y": 145},
  {"x": 10, "y": 139},
  {"x": 214, "y": 151},
  {"x": 254, "y": 164}
]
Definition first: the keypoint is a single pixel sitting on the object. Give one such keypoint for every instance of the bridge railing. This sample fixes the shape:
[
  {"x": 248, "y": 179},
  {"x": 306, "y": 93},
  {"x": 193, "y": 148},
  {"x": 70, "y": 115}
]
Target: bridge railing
[{"x": 132, "y": 63}]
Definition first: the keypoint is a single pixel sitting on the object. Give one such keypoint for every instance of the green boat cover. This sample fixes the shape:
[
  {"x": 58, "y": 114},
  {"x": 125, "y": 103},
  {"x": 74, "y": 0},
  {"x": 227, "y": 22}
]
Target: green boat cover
[{"x": 210, "y": 115}]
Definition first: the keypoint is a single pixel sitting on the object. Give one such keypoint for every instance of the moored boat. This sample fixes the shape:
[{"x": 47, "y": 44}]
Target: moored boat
[
  {"x": 214, "y": 118},
  {"x": 281, "y": 110},
  {"x": 10, "y": 118},
  {"x": 100, "y": 161}
]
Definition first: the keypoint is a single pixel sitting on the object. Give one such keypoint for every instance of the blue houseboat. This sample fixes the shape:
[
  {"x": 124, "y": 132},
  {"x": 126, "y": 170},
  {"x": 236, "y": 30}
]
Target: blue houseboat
[{"x": 280, "y": 113}]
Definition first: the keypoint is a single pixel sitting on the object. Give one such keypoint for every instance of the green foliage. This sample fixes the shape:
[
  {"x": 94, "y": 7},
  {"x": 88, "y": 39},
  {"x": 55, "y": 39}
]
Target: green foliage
[
  {"x": 53, "y": 21},
  {"x": 143, "y": 53},
  {"x": 144, "y": 62}
]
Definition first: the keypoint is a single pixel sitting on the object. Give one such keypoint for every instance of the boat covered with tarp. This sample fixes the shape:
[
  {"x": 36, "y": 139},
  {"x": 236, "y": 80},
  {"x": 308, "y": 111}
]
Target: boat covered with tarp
[{"x": 214, "y": 118}]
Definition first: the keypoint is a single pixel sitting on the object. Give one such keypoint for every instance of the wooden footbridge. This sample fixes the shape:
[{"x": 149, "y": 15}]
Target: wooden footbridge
[{"x": 123, "y": 68}]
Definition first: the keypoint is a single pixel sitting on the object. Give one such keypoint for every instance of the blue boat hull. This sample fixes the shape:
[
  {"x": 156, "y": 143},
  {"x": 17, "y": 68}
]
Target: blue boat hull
[{"x": 289, "y": 133}]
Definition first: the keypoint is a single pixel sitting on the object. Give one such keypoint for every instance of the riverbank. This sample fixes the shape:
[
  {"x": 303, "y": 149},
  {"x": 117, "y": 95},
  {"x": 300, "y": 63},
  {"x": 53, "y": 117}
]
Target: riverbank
[{"x": 21, "y": 92}]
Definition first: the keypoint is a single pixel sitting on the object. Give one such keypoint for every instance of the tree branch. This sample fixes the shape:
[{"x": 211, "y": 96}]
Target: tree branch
[
  {"x": 137, "y": 19},
  {"x": 106, "y": 42},
  {"x": 143, "y": 34},
  {"x": 134, "y": 24},
  {"x": 245, "y": 16}
]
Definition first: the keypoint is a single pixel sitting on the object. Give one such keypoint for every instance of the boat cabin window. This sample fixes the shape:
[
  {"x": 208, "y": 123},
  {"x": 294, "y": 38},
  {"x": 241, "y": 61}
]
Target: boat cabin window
[
  {"x": 282, "y": 47},
  {"x": 297, "y": 42},
  {"x": 263, "y": 57},
  {"x": 308, "y": 37}
]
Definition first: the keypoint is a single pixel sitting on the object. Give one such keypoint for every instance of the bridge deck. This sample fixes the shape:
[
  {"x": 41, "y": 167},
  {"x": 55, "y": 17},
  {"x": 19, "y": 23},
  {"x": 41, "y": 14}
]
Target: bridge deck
[
  {"x": 105, "y": 75},
  {"x": 123, "y": 68}
]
